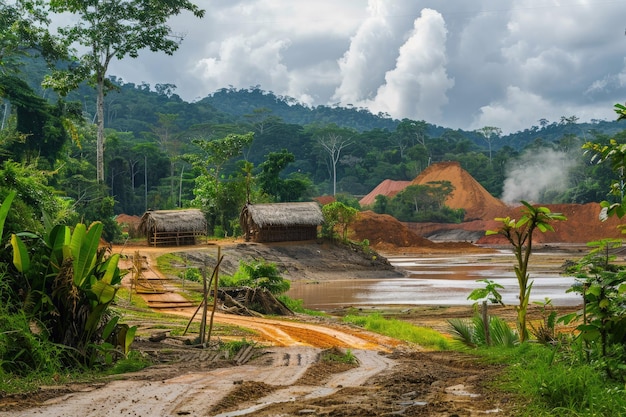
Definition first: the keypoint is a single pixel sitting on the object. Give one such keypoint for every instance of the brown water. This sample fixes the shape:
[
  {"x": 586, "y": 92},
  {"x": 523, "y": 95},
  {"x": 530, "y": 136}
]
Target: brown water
[{"x": 444, "y": 280}]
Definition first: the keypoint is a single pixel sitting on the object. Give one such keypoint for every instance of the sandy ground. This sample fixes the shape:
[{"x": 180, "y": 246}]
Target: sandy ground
[{"x": 286, "y": 377}]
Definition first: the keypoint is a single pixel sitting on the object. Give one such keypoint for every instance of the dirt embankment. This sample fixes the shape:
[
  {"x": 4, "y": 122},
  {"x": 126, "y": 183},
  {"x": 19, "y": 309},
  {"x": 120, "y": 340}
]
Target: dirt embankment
[{"x": 481, "y": 208}]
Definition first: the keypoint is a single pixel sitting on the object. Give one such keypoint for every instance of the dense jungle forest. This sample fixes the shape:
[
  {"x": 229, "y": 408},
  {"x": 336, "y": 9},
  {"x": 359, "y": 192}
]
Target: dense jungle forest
[{"x": 236, "y": 145}]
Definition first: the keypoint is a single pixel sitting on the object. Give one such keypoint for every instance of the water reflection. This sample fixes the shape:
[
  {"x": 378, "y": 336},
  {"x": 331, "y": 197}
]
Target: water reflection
[{"x": 433, "y": 281}]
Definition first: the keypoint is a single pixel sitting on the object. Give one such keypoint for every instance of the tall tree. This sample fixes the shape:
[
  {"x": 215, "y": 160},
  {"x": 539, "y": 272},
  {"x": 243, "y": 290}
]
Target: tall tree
[
  {"x": 23, "y": 29},
  {"x": 490, "y": 133},
  {"x": 333, "y": 144},
  {"x": 280, "y": 189},
  {"x": 165, "y": 130},
  {"x": 409, "y": 133},
  {"x": 115, "y": 29},
  {"x": 211, "y": 191}
]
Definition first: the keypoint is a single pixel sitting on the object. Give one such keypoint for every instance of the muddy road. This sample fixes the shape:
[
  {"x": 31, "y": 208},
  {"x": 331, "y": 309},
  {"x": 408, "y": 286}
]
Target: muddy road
[{"x": 286, "y": 375}]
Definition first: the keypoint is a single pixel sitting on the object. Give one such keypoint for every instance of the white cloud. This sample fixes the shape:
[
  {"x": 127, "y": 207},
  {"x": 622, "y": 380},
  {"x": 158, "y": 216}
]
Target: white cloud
[
  {"x": 245, "y": 61},
  {"x": 517, "y": 111},
  {"x": 456, "y": 63},
  {"x": 373, "y": 50},
  {"x": 416, "y": 88}
]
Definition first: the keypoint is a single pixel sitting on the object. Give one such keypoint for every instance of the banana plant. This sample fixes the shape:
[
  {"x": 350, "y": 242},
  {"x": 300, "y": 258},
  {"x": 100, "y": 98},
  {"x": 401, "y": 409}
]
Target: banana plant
[
  {"x": 4, "y": 210},
  {"x": 79, "y": 281}
]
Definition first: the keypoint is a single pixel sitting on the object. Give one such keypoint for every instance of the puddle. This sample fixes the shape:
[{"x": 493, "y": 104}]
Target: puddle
[{"x": 439, "y": 280}]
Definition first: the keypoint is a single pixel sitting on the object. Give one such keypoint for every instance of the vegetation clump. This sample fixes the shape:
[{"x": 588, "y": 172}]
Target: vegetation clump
[{"x": 401, "y": 330}]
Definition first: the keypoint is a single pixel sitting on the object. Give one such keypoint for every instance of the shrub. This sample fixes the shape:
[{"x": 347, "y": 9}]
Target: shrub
[
  {"x": 258, "y": 274},
  {"x": 471, "y": 333},
  {"x": 21, "y": 351}
]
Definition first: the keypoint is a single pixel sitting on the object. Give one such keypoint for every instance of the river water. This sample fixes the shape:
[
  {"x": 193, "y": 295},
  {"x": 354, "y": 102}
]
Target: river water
[{"x": 442, "y": 280}]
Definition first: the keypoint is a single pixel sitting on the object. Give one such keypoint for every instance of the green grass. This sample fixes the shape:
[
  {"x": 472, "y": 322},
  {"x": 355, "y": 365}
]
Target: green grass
[
  {"x": 170, "y": 264},
  {"x": 336, "y": 355},
  {"x": 398, "y": 329},
  {"x": 297, "y": 306},
  {"x": 235, "y": 346},
  {"x": 546, "y": 383},
  {"x": 539, "y": 381},
  {"x": 12, "y": 384},
  {"x": 132, "y": 363}
]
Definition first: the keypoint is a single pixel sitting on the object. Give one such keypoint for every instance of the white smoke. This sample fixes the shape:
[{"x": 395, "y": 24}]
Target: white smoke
[{"x": 537, "y": 174}]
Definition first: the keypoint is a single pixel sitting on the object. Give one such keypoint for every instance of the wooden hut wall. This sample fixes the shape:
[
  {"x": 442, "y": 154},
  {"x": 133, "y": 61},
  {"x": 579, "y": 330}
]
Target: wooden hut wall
[
  {"x": 181, "y": 238},
  {"x": 173, "y": 227},
  {"x": 284, "y": 233}
]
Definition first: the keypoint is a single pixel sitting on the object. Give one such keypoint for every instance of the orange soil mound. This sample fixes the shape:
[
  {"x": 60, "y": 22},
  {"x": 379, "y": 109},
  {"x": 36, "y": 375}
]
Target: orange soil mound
[
  {"x": 582, "y": 225},
  {"x": 386, "y": 234},
  {"x": 388, "y": 188},
  {"x": 468, "y": 194},
  {"x": 383, "y": 229},
  {"x": 128, "y": 219}
]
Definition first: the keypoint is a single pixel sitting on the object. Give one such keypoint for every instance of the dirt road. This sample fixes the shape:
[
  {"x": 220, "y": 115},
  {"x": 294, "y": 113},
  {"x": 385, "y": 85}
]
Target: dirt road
[{"x": 286, "y": 378}]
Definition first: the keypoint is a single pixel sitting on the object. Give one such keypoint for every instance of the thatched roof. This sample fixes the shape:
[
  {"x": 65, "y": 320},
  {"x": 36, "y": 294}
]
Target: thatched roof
[
  {"x": 285, "y": 214},
  {"x": 173, "y": 221}
]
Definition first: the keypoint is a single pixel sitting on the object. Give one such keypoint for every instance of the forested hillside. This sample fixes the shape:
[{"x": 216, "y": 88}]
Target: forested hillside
[{"x": 161, "y": 151}]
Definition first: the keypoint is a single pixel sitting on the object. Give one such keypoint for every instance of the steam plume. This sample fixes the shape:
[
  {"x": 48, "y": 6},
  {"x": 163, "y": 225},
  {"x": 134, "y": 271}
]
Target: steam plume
[{"x": 535, "y": 175}]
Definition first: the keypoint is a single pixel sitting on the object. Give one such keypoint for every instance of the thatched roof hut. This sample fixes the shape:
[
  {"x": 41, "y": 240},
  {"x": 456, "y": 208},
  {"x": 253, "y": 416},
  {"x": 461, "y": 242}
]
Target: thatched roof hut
[
  {"x": 173, "y": 227},
  {"x": 280, "y": 221}
]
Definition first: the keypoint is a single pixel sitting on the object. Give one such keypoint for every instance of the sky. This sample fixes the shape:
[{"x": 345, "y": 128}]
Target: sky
[{"x": 455, "y": 63}]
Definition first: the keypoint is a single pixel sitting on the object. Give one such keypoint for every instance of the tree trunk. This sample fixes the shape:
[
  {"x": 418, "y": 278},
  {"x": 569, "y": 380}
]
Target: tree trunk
[{"x": 100, "y": 137}]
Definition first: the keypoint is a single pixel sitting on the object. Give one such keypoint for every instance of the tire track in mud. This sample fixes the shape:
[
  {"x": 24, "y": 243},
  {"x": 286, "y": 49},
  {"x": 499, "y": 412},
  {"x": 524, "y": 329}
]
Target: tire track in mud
[
  {"x": 287, "y": 333},
  {"x": 196, "y": 393}
]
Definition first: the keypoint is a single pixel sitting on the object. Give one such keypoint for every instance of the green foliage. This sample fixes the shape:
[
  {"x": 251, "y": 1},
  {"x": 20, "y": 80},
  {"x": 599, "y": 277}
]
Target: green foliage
[
  {"x": 69, "y": 284},
  {"x": 297, "y": 306},
  {"x": 101, "y": 210},
  {"x": 279, "y": 189},
  {"x": 422, "y": 203},
  {"x": 133, "y": 362},
  {"x": 40, "y": 124},
  {"x": 602, "y": 285},
  {"x": 520, "y": 235},
  {"x": 489, "y": 292},
  {"x": 545, "y": 386},
  {"x": 471, "y": 333},
  {"x": 35, "y": 199},
  {"x": 423, "y": 336},
  {"x": 258, "y": 274},
  {"x": 348, "y": 200},
  {"x": 545, "y": 332},
  {"x": 336, "y": 355},
  {"x": 337, "y": 215},
  {"x": 615, "y": 154},
  {"x": 23, "y": 32},
  {"x": 381, "y": 204},
  {"x": 112, "y": 31},
  {"x": 220, "y": 198},
  {"x": 21, "y": 351},
  {"x": 191, "y": 274},
  {"x": 234, "y": 346}
]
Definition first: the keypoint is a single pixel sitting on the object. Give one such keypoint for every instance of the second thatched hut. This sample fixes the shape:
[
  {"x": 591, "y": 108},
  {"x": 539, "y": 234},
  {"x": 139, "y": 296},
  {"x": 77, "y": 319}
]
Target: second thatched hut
[
  {"x": 280, "y": 222},
  {"x": 173, "y": 227}
]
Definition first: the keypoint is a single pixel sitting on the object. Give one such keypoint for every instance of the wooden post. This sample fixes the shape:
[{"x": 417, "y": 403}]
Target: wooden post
[
  {"x": 204, "y": 298},
  {"x": 204, "y": 310},
  {"x": 486, "y": 324},
  {"x": 216, "y": 281}
]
